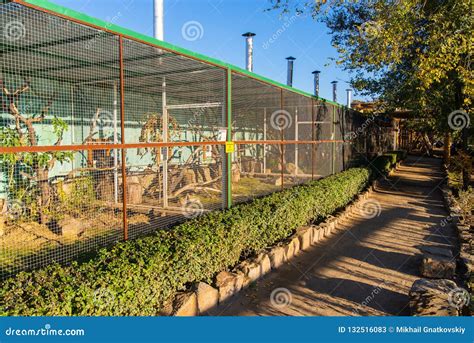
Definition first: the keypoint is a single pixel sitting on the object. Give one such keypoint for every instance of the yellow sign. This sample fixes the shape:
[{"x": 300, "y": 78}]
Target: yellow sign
[{"x": 229, "y": 147}]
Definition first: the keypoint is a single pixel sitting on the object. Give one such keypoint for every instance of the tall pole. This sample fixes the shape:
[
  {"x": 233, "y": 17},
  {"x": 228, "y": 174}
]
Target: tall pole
[
  {"x": 316, "y": 82},
  {"x": 159, "y": 19},
  {"x": 289, "y": 79},
  {"x": 334, "y": 91},
  {"x": 349, "y": 98},
  {"x": 249, "y": 50}
]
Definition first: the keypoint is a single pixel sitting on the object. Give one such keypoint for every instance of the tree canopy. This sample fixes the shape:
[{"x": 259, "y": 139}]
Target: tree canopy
[{"x": 411, "y": 54}]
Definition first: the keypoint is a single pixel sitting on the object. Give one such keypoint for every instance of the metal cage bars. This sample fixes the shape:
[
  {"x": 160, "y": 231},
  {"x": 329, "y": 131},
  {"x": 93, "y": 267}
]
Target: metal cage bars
[{"x": 288, "y": 139}]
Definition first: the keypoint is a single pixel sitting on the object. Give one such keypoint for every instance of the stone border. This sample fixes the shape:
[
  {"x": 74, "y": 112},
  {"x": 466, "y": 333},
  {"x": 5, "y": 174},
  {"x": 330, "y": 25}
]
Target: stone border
[
  {"x": 465, "y": 232},
  {"x": 204, "y": 297},
  {"x": 435, "y": 295}
]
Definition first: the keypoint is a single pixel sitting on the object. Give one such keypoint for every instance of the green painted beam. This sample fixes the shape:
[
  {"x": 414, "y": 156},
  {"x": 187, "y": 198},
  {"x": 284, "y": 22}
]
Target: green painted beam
[
  {"x": 229, "y": 137},
  {"x": 126, "y": 33}
]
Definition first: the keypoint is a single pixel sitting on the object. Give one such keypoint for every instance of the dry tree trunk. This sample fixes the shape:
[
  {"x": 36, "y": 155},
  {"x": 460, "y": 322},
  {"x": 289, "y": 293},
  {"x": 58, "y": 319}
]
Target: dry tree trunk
[{"x": 41, "y": 173}]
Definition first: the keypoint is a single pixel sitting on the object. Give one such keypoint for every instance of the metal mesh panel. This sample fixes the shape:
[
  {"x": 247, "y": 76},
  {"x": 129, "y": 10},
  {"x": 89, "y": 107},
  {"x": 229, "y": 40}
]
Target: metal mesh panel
[
  {"x": 256, "y": 171},
  {"x": 256, "y": 110},
  {"x": 159, "y": 82},
  {"x": 193, "y": 182},
  {"x": 298, "y": 164},
  {"x": 56, "y": 78},
  {"x": 322, "y": 159},
  {"x": 61, "y": 84},
  {"x": 299, "y": 110},
  {"x": 56, "y": 211},
  {"x": 323, "y": 121}
]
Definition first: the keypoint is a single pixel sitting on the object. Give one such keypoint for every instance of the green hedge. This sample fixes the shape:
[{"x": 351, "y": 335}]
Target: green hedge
[
  {"x": 138, "y": 277},
  {"x": 401, "y": 154},
  {"x": 382, "y": 164}
]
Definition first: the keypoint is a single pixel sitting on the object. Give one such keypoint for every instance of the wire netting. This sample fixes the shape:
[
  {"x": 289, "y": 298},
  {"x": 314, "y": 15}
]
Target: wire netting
[{"x": 106, "y": 137}]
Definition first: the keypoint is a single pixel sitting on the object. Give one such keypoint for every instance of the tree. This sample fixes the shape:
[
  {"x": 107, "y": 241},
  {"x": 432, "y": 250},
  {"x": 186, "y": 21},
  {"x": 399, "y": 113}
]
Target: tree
[
  {"x": 27, "y": 168},
  {"x": 411, "y": 54}
]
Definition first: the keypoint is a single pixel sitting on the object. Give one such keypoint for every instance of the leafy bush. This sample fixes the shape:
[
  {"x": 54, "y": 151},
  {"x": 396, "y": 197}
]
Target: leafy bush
[
  {"x": 382, "y": 164},
  {"x": 401, "y": 154},
  {"x": 139, "y": 277}
]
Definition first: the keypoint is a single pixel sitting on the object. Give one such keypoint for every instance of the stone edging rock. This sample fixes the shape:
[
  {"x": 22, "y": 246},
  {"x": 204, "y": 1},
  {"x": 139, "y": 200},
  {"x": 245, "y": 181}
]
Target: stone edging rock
[
  {"x": 228, "y": 283},
  {"x": 437, "y": 294}
]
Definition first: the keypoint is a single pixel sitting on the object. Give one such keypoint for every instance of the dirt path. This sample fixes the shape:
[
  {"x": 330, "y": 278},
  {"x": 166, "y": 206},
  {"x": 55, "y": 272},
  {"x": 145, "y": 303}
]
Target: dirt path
[{"x": 368, "y": 266}]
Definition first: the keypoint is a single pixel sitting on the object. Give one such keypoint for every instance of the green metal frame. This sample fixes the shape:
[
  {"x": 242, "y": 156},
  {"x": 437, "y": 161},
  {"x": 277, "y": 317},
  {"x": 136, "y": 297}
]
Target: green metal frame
[
  {"x": 229, "y": 137},
  {"x": 78, "y": 16}
]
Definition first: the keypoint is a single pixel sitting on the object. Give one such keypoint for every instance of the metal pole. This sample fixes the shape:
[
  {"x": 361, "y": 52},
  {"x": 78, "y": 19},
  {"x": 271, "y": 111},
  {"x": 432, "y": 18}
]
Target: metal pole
[
  {"x": 296, "y": 138},
  {"x": 159, "y": 19},
  {"x": 289, "y": 78},
  {"x": 226, "y": 173},
  {"x": 164, "y": 150},
  {"x": 115, "y": 142},
  {"x": 316, "y": 74},
  {"x": 122, "y": 131},
  {"x": 264, "y": 138},
  {"x": 349, "y": 98},
  {"x": 73, "y": 125},
  {"x": 334, "y": 91},
  {"x": 249, "y": 50}
]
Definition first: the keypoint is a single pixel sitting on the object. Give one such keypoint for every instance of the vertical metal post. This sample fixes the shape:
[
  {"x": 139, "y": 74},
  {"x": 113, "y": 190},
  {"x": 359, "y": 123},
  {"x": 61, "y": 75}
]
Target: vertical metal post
[
  {"x": 313, "y": 138},
  {"x": 333, "y": 137},
  {"x": 115, "y": 113},
  {"x": 296, "y": 139},
  {"x": 289, "y": 78},
  {"x": 224, "y": 163},
  {"x": 334, "y": 91},
  {"x": 159, "y": 19},
  {"x": 73, "y": 124},
  {"x": 165, "y": 150},
  {"x": 349, "y": 98},
  {"x": 282, "y": 157},
  {"x": 316, "y": 82},
  {"x": 249, "y": 50},
  {"x": 124, "y": 157},
  {"x": 264, "y": 139},
  {"x": 229, "y": 137}
]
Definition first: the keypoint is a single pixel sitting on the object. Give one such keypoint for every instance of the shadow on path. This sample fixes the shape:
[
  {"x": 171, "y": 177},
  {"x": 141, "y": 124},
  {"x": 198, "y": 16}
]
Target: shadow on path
[{"x": 369, "y": 264}]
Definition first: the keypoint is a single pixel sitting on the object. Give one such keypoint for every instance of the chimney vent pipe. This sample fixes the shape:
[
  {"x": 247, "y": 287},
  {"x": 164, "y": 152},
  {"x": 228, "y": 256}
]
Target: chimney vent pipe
[
  {"x": 289, "y": 79},
  {"x": 249, "y": 50}
]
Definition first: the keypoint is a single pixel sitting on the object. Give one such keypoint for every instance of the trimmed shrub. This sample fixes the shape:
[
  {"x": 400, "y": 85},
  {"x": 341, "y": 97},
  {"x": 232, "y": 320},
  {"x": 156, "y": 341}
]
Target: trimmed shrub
[
  {"x": 401, "y": 154},
  {"x": 139, "y": 277},
  {"x": 382, "y": 164}
]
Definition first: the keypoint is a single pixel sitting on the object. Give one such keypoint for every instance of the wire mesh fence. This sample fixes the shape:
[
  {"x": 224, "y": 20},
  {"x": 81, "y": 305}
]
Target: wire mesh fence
[{"x": 106, "y": 137}]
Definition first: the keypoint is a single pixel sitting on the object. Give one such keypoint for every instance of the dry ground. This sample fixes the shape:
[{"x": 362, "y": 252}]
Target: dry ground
[{"x": 368, "y": 266}]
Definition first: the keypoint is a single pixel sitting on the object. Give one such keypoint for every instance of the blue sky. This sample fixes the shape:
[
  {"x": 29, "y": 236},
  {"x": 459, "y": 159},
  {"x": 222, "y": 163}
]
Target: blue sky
[{"x": 221, "y": 24}]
